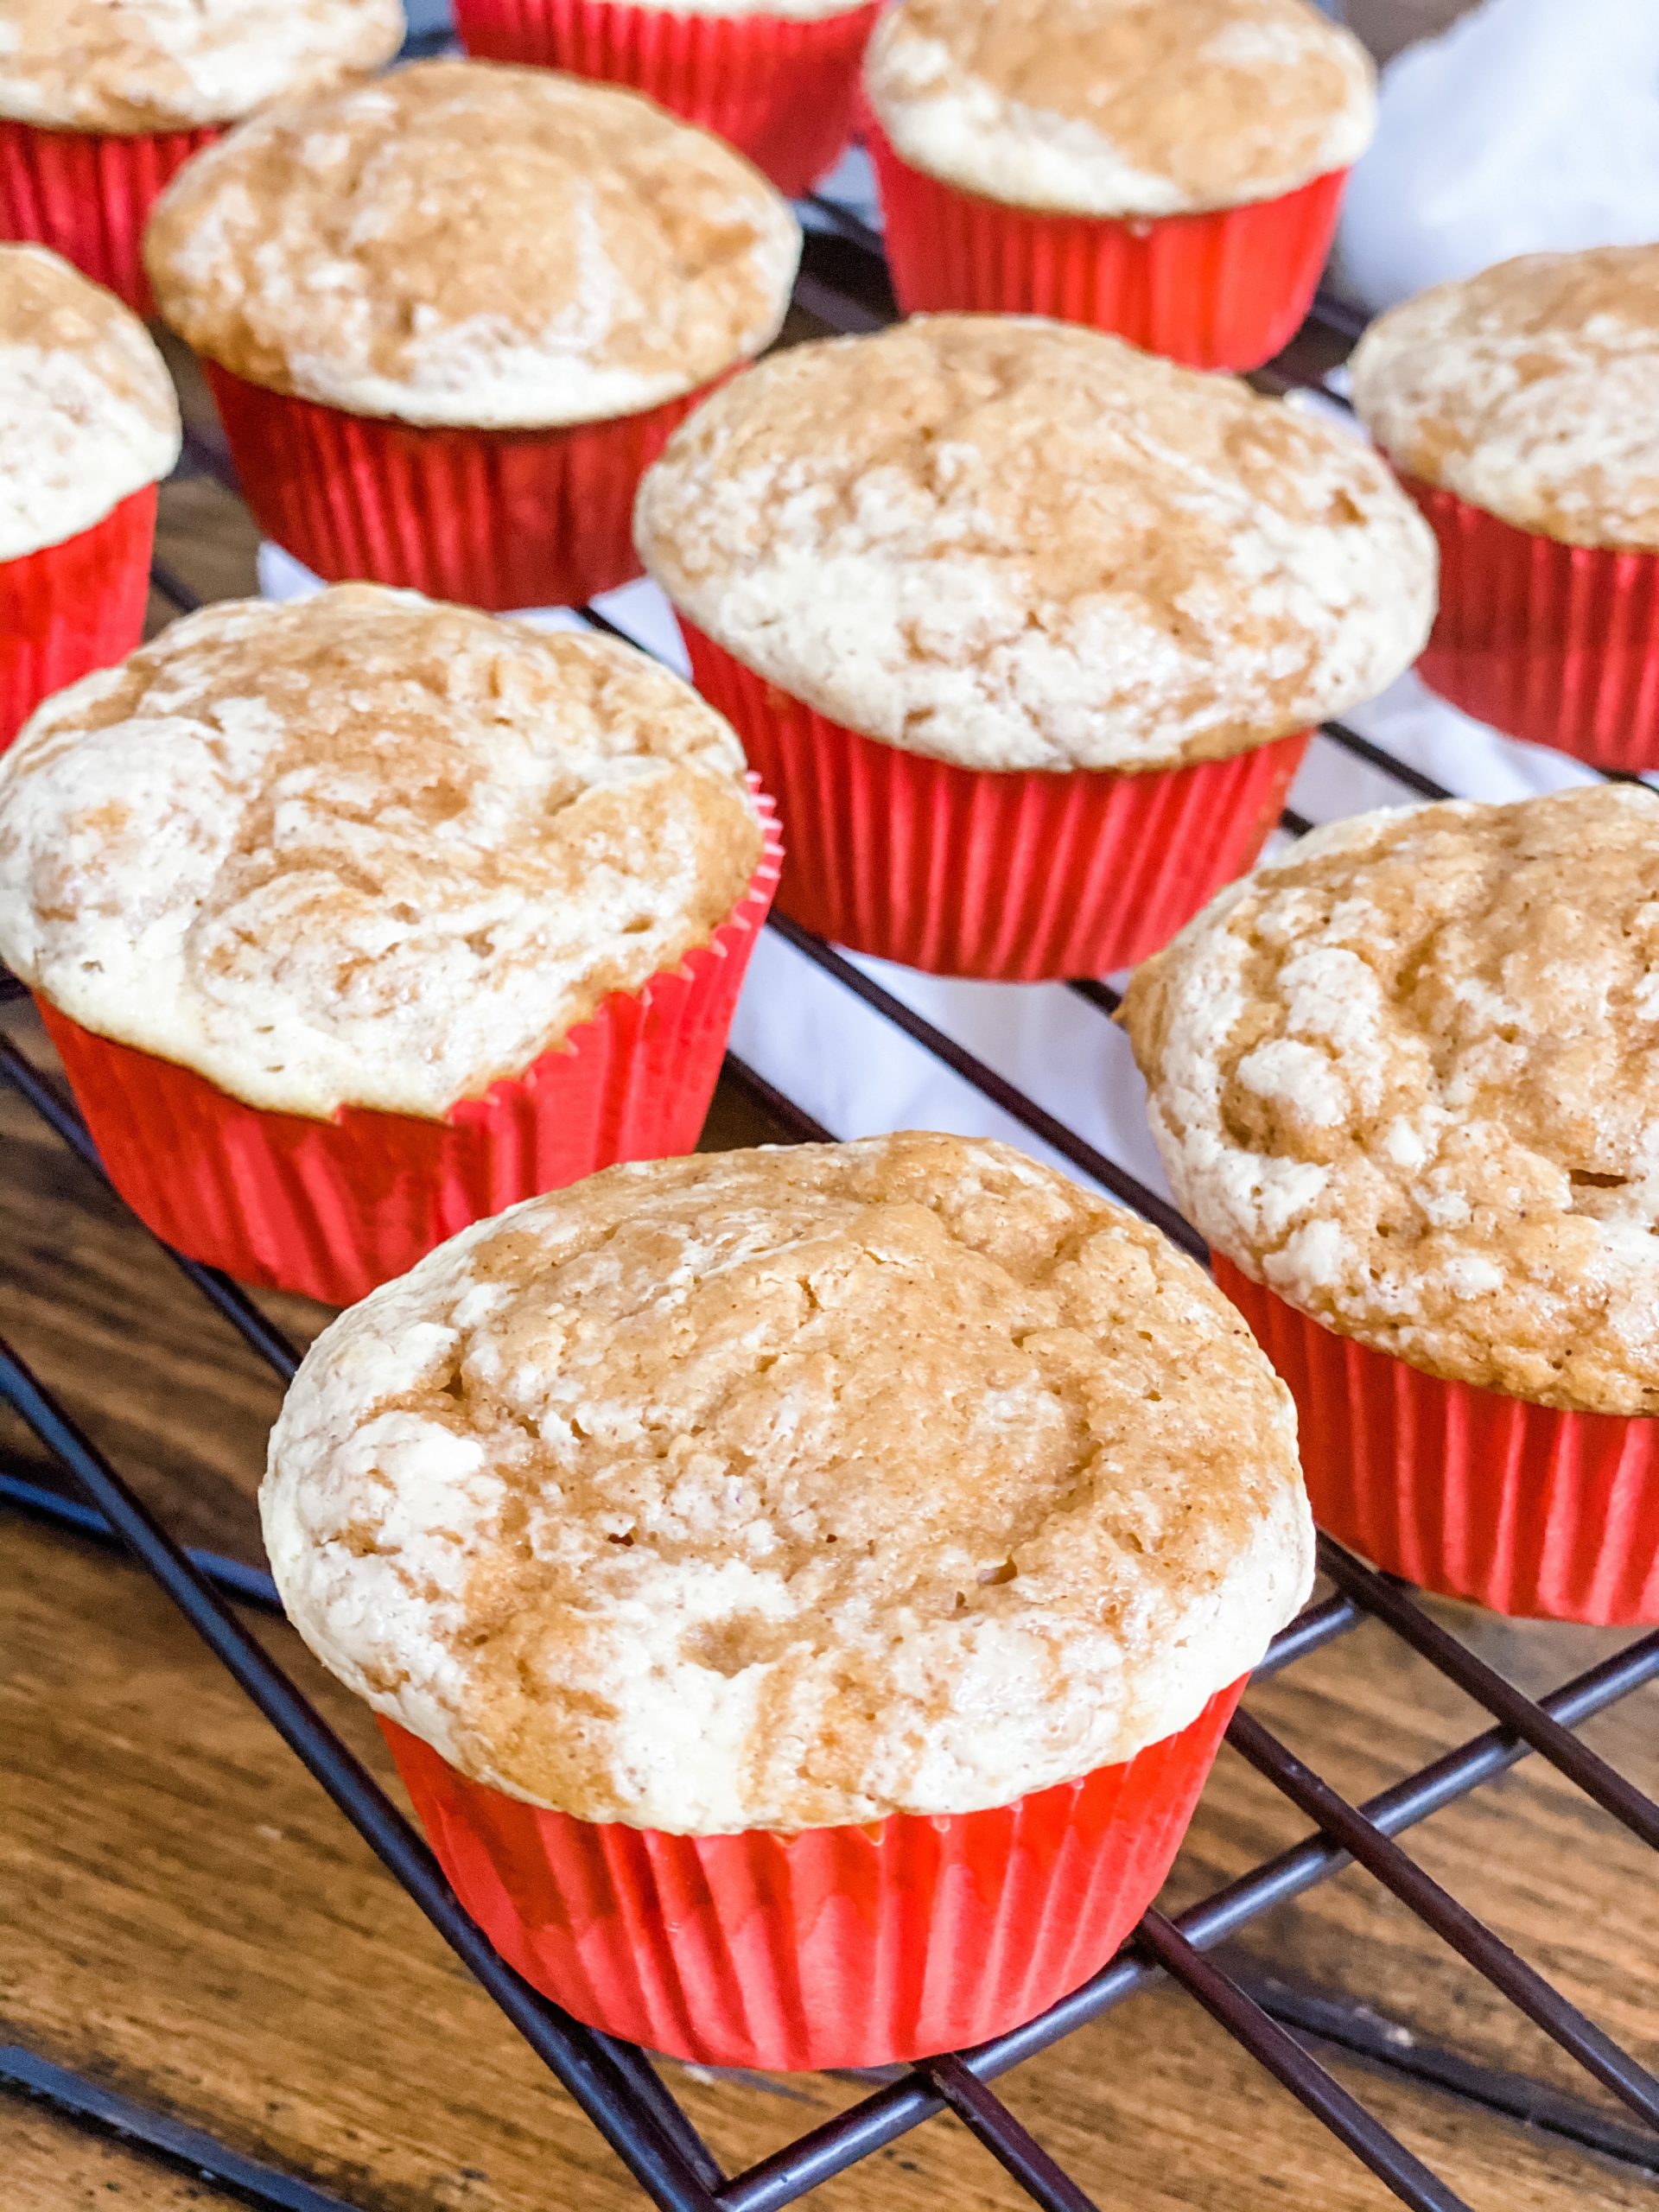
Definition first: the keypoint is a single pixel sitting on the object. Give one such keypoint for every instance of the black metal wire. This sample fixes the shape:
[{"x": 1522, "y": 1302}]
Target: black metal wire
[
  {"x": 1001, "y": 1092},
  {"x": 1523, "y": 1985},
  {"x": 1300, "y": 2072},
  {"x": 1391, "y": 1601},
  {"x": 584, "y": 2061}
]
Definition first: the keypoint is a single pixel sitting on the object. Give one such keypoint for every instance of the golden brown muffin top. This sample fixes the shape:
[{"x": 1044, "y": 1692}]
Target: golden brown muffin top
[
  {"x": 1121, "y": 107},
  {"x": 1409, "y": 1079},
  {"x": 138, "y": 66},
  {"x": 1532, "y": 389},
  {"x": 1016, "y": 544},
  {"x": 88, "y": 410},
  {"x": 465, "y": 243},
  {"x": 363, "y": 849},
  {"x": 791, "y": 1488}
]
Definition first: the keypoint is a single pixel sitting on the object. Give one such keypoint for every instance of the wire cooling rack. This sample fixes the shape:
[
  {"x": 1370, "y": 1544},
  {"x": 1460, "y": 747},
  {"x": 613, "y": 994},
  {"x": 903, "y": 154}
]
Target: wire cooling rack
[{"x": 844, "y": 285}]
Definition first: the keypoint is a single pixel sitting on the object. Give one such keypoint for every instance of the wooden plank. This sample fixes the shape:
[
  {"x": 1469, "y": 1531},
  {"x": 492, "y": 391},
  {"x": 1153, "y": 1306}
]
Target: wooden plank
[{"x": 52, "y": 2166}]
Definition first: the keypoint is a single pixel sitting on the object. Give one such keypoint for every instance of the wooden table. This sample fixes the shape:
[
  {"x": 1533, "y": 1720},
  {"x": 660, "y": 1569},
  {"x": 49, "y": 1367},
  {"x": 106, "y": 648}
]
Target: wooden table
[{"x": 190, "y": 1923}]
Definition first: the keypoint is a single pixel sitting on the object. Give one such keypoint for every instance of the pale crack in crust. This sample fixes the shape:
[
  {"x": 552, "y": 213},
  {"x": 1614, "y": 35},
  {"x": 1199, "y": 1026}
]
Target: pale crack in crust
[
  {"x": 1409, "y": 1080},
  {"x": 792, "y": 1488}
]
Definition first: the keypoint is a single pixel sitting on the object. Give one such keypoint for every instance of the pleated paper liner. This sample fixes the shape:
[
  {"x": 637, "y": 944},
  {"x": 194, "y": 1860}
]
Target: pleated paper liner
[
  {"x": 333, "y": 1208},
  {"x": 72, "y": 607},
  {"x": 829, "y": 1947},
  {"x": 493, "y": 519},
  {"x": 1518, "y": 1507},
  {"x": 1013, "y": 877},
  {"x": 781, "y": 91},
  {"x": 1559, "y": 643},
  {"x": 87, "y": 195},
  {"x": 1223, "y": 290}
]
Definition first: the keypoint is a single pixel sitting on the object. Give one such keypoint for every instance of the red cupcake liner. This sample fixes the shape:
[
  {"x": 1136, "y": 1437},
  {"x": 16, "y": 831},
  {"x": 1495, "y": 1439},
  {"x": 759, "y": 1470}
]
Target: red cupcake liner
[
  {"x": 493, "y": 518},
  {"x": 1558, "y": 643},
  {"x": 781, "y": 91},
  {"x": 1223, "y": 290},
  {"x": 1012, "y": 876},
  {"x": 333, "y": 1208},
  {"x": 88, "y": 194},
  {"x": 1520, "y": 1508},
  {"x": 829, "y": 1947},
  {"x": 72, "y": 607}
]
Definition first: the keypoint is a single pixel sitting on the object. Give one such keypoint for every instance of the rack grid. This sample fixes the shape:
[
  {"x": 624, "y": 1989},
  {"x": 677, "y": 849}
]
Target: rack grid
[{"x": 843, "y": 286}]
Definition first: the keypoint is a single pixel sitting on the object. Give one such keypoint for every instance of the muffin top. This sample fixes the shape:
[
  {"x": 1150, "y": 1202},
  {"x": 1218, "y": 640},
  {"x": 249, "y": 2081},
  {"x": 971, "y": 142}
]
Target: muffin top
[
  {"x": 791, "y": 1488},
  {"x": 88, "y": 414},
  {"x": 363, "y": 849},
  {"x": 1015, "y": 544},
  {"x": 133, "y": 66},
  {"x": 1532, "y": 389},
  {"x": 1409, "y": 1079},
  {"x": 1121, "y": 107},
  {"x": 469, "y": 244}
]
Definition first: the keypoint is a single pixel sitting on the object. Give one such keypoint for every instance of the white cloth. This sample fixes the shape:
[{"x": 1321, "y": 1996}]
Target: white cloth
[{"x": 1529, "y": 125}]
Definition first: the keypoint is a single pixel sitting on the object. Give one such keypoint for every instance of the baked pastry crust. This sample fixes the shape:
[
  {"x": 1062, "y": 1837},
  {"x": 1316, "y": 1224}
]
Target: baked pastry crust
[
  {"x": 365, "y": 850},
  {"x": 129, "y": 66},
  {"x": 1409, "y": 1079},
  {"x": 465, "y": 243},
  {"x": 791, "y": 1488},
  {"x": 1121, "y": 107},
  {"x": 88, "y": 415},
  {"x": 1015, "y": 544},
  {"x": 1531, "y": 389}
]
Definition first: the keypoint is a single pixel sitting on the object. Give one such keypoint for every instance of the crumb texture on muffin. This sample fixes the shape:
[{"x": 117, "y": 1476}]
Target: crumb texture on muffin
[
  {"x": 362, "y": 849},
  {"x": 1121, "y": 107},
  {"x": 470, "y": 244},
  {"x": 1015, "y": 544},
  {"x": 1531, "y": 389},
  {"x": 788, "y": 1488},
  {"x": 134, "y": 66},
  {"x": 1409, "y": 1080},
  {"x": 88, "y": 414}
]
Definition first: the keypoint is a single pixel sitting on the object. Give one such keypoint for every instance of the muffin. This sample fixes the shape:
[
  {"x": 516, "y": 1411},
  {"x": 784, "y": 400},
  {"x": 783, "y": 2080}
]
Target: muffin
[
  {"x": 1406, "y": 1082},
  {"x": 88, "y": 423},
  {"x": 357, "y": 918},
  {"x": 1170, "y": 173},
  {"x": 1522, "y": 409},
  {"x": 1023, "y": 628},
  {"x": 99, "y": 103},
  {"x": 803, "y": 1589},
  {"x": 779, "y": 81},
  {"x": 448, "y": 318}
]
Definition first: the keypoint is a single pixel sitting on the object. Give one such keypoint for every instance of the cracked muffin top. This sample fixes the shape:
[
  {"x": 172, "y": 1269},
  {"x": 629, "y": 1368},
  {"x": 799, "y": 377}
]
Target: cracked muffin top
[
  {"x": 791, "y": 1488},
  {"x": 465, "y": 243},
  {"x": 1531, "y": 389},
  {"x": 131, "y": 67},
  {"x": 1016, "y": 544},
  {"x": 88, "y": 415},
  {"x": 1121, "y": 107},
  {"x": 363, "y": 849},
  {"x": 1409, "y": 1080}
]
